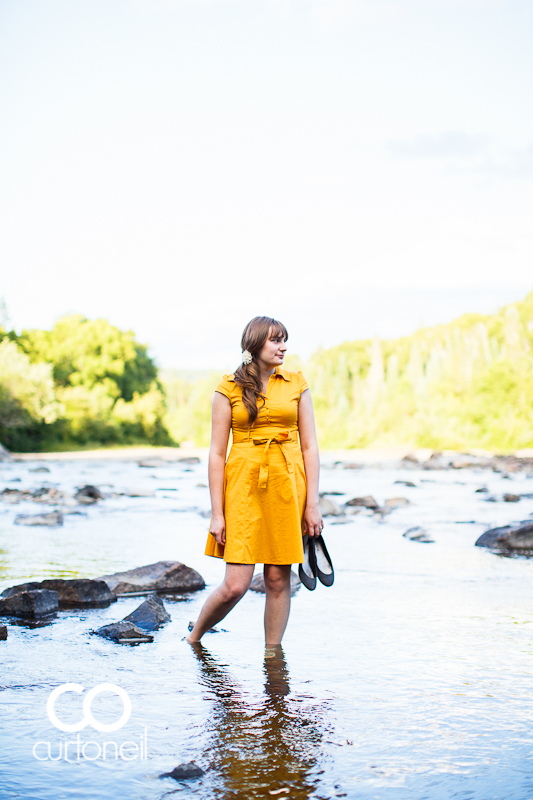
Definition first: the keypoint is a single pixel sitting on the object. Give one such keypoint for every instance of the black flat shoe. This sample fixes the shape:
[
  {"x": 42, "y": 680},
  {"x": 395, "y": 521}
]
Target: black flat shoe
[
  {"x": 307, "y": 570},
  {"x": 323, "y": 565}
]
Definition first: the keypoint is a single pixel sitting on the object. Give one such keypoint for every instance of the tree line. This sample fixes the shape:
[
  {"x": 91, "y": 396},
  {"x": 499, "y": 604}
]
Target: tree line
[{"x": 464, "y": 385}]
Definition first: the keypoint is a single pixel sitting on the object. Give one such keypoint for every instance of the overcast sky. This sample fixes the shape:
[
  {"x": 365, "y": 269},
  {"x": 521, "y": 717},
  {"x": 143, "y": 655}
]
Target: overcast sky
[{"x": 179, "y": 166}]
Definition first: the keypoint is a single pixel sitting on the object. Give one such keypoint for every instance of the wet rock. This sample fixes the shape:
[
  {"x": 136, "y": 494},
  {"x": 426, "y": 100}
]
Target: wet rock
[
  {"x": 3, "y": 633},
  {"x": 72, "y": 593},
  {"x": 88, "y": 495},
  {"x": 48, "y": 495},
  {"x": 511, "y": 498},
  {"x": 258, "y": 583},
  {"x": 351, "y": 465},
  {"x": 410, "y": 460},
  {"x": 153, "y": 463},
  {"x": 168, "y": 576},
  {"x": 53, "y": 519},
  {"x": 39, "y": 469},
  {"x": 508, "y": 537},
  {"x": 189, "y": 460},
  {"x": 418, "y": 534},
  {"x": 329, "y": 508},
  {"x": 32, "y": 604},
  {"x": 396, "y": 502},
  {"x": 407, "y": 483},
  {"x": 482, "y": 490},
  {"x": 150, "y": 615},
  {"x": 184, "y": 772},
  {"x": 366, "y": 502},
  {"x": 124, "y": 632}
]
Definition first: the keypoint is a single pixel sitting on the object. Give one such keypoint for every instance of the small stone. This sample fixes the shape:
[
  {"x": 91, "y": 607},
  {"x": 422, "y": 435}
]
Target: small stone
[
  {"x": 397, "y": 502},
  {"x": 366, "y": 502},
  {"x": 189, "y": 460},
  {"x": 39, "y": 469},
  {"x": 329, "y": 508},
  {"x": 407, "y": 483},
  {"x": 3, "y": 633},
  {"x": 418, "y": 534},
  {"x": 52, "y": 519},
  {"x": 88, "y": 494},
  {"x": 124, "y": 631},
  {"x": 184, "y": 772},
  {"x": 138, "y": 493},
  {"x": 482, "y": 490},
  {"x": 511, "y": 498}
]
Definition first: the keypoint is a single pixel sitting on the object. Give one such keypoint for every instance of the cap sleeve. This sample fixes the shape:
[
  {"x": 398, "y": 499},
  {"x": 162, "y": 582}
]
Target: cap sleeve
[
  {"x": 303, "y": 385},
  {"x": 226, "y": 386}
]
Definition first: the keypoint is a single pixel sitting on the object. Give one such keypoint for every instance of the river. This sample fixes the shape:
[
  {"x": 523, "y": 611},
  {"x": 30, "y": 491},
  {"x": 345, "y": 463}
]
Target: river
[{"x": 411, "y": 677}]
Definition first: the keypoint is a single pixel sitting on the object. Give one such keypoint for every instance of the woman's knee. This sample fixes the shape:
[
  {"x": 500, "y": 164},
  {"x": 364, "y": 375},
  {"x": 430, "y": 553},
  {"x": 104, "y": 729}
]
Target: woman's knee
[
  {"x": 277, "y": 579},
  {"x": 234, "y": 590}
]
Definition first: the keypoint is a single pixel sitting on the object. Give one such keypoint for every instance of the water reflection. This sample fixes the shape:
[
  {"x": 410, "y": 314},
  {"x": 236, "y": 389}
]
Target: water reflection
[{"x": 259, "y": 747}]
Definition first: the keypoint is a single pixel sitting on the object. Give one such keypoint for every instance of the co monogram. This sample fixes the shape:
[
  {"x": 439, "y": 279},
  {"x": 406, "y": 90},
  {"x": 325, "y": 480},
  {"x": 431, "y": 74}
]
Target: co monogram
[{"x": 88, "y": 718}]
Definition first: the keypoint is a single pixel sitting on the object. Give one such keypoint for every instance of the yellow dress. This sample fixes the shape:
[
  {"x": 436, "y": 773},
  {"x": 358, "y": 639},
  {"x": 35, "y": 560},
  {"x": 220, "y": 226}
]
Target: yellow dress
[{"x": 264, "y": 479}]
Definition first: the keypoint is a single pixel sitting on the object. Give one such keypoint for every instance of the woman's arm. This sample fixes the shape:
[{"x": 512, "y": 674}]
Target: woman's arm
[
  {"x": 220, "y": 428},
  {"x": 313, "y": 523}
]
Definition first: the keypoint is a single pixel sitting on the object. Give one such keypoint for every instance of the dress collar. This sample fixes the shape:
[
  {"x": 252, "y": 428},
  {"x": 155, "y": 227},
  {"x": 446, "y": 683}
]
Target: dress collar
[{"x": 284, "y": 373}]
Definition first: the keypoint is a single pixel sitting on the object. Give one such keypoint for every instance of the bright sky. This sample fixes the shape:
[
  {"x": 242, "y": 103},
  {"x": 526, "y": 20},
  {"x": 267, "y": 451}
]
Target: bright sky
[{"x": 350, "y": 167}]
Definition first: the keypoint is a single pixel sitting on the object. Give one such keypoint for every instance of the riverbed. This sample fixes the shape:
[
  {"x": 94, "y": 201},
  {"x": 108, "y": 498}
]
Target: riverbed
[{"x": 409, "y": 678}]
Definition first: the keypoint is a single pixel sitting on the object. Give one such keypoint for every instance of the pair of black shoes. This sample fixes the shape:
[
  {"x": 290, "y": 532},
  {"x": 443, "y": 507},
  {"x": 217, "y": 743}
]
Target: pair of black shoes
[{"x": 317, "y": 563}]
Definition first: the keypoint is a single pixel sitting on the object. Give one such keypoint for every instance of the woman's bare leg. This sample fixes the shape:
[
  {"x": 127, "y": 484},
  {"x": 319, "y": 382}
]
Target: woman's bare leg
[
  {"x": 221, "y": 601},
  {"x": 278, "y": 601}
]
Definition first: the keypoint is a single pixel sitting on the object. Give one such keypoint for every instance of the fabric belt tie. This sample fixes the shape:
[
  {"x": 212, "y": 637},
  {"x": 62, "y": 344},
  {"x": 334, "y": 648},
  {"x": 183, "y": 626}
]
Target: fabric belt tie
[{"x": 279, "y": 438}]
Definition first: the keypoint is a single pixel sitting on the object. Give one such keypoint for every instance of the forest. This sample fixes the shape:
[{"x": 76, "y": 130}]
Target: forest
[{"x": 464, "y": 385}]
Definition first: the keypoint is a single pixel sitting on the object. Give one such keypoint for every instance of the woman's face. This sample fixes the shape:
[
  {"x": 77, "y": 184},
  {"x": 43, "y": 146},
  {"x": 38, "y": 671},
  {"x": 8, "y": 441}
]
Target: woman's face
[{"x": 273, "y": 350}]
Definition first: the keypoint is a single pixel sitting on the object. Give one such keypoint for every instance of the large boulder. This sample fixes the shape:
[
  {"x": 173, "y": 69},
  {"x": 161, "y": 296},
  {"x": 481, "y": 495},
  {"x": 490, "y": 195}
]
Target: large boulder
[
  {"x": 150, "y": 615},
  {"x": 163, "y": 576},
  {"x": 72, "y": 593},
  {"x": 53, "y": 519},
  {"x": 124, "y": 633},
  {"x": 33, "y": 604},
  {"x": 509, "y": 537}
]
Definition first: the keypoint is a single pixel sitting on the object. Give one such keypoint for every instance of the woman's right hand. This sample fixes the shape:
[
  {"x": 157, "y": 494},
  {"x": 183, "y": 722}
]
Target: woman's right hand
[{"x": 218, "y": 528}]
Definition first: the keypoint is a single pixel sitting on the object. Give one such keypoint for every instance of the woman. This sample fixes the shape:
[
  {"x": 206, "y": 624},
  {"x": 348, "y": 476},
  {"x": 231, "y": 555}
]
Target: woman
[{"x": 267, "y": 492}]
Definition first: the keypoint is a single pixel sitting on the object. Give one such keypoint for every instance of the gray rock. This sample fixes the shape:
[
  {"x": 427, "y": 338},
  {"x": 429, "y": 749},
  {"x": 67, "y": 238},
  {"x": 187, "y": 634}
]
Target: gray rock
[
  {"x": 13, "y": 496},
  {"x": 153, "y": 463},
  {"x": 184, "y": 771},
  {"x": 418, "y": 534},
  {"x": 39, "y": 469},
  {"x": 124, "y": 632},
  {"x": 511, "y": 498},
  {"x": 482, "y": 490},
  {"x": 150, "y": 615},
  {"x": 258, "y": 583},
  {"x": 329, "y": 508},
  {"x": 407, "y": 483},
  {"x": 88, "y": 494},
  {"x": 366, "y": 502},
  {"x": 3, "y": 633},
  {"x": 53, "y": 519},
  {"x": 31, "y": 604},
  {"x": 509, "y": 537},
  {"x": 168, "y": 576},
  {"x": 189, "y": 460}
]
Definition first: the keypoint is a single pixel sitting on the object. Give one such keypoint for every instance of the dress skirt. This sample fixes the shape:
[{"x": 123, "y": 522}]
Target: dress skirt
[{"x": 264, "y": 501}]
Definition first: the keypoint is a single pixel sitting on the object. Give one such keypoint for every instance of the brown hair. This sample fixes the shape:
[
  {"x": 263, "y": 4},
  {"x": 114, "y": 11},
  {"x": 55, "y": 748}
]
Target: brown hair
[{"x": 248, "y": 375}]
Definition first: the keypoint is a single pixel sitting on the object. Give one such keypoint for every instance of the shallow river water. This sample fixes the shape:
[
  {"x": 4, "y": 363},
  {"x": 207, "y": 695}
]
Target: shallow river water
[{"x": 411, "y": 677}]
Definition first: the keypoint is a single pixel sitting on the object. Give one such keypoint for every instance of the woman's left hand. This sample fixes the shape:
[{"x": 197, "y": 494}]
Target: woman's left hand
[{"x": 313, "y": 522}]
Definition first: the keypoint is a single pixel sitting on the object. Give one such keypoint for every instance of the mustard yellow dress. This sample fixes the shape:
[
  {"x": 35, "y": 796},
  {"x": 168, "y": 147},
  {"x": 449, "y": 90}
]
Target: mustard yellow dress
[{"x": 264, "y": 480}]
